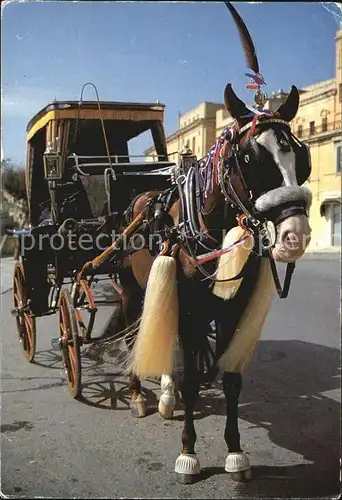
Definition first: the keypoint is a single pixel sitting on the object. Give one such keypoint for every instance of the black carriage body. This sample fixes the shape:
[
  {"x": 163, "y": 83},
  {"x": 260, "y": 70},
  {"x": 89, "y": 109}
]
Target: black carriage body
[{"x": 92, "y": 191}]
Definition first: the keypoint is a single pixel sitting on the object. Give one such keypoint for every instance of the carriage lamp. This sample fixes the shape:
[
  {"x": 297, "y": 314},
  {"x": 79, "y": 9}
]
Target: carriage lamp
[
  {"x": 187, "y": 159},
  {"x": 53, "y": 166}
]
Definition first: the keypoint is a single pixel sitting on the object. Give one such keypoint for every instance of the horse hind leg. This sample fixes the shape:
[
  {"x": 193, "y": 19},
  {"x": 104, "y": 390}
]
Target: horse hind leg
[
  {"x": 131, "y": 308},
  {"x": 167, "y": 400},
  {"x": 137, "y": 403}
]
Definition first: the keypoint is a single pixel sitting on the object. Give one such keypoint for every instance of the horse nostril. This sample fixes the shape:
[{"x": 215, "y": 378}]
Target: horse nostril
[
  {"x": 284, "y": 236},
  {"x": 289, "y": 240}
]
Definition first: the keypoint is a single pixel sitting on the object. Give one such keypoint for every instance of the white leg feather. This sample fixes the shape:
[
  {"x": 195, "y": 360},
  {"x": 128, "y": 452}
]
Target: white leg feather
[{"x": 167, "y": 401}]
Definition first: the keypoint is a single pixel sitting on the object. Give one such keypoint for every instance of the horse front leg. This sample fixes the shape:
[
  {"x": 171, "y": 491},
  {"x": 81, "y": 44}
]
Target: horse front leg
[
  {"x": 187, "y": 466},
  {"x": 237, "y": 462}
]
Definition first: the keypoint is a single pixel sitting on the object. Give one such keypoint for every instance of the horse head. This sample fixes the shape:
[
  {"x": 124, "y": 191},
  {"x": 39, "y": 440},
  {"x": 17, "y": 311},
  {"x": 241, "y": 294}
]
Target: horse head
[
  {"x": 268, "y": 164},
  {"x": 265, "y": 170}
]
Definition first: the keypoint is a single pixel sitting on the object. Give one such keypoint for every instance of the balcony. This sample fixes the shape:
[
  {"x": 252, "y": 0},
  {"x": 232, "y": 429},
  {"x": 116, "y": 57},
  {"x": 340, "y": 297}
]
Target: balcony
[{"x": 318, "y": 132}]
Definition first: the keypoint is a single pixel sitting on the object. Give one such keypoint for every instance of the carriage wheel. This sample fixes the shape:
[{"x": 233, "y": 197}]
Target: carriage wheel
[
  {"x": 16, "y": 254},
  {"x": 206, "y": 354},
  {"x": 70, "y": 344},
  {"x": 84, "y": 302},
  {"x": 26, "y": 323}
]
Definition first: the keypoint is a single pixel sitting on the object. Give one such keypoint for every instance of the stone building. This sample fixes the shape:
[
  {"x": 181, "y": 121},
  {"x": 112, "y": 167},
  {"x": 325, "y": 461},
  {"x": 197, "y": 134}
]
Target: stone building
[{"x": 317, "y": 123}]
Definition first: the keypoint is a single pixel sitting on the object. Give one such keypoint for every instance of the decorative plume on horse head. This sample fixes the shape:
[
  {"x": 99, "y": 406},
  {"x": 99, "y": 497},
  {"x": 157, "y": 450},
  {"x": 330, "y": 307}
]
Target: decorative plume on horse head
[{"x": 230, "y": 217}]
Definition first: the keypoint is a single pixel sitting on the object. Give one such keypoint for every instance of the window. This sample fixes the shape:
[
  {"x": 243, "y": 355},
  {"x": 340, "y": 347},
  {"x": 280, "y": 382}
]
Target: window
[
  {"x": 324, "y": 124},
  {"x": 336, "y": 224},
  {"x": 339, "y": 158},
  {"x": 340, "y": 92},
  {"x": 194, "y": 145},
  {"x": 300, "y": 131},
  {"x": 312, "y": 128}
]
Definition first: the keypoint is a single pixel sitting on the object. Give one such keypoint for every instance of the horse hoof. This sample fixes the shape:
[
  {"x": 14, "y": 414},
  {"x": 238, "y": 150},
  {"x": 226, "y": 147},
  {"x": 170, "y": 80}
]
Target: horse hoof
[
  {"x": 187, "y": 468},
  {"x": 242, "y": 476},
  {"x": 187, "y": 478},
  {"x": 166, "y": 410},
  {"x": 238, "y": 466},
  {"x": 138, "y": 408}
]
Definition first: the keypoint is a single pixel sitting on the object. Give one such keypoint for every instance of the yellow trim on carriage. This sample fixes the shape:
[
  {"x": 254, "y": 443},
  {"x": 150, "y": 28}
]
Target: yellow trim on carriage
[{"x": 93, "y": 114}]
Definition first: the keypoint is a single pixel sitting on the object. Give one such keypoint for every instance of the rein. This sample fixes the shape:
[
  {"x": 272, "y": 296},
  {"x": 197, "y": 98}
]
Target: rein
[{"x": 282, "y": 291}]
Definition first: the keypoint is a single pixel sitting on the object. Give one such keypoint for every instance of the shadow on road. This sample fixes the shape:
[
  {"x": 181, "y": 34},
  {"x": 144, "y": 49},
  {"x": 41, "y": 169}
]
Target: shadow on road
[
  {"x": 48, "y": 359},
  {"x": 112, "y": 393},
  {"x": 285, "y": 393},
  {"x": 290, "y": 391}
]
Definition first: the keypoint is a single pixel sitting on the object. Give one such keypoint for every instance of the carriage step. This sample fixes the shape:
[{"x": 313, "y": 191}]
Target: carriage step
[{"x": 56, "y": 343}]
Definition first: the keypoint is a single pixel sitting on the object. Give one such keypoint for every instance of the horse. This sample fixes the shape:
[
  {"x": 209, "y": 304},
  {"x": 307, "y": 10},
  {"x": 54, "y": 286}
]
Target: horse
[
  {"x": 246, "y": 206},
  {"x": 272, "y": 165}
]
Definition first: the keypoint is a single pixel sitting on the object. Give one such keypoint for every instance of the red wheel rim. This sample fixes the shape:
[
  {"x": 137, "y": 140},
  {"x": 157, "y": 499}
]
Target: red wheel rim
[
  {"x": 69, "y": 349},
  {"x": 26, "y": 324}
]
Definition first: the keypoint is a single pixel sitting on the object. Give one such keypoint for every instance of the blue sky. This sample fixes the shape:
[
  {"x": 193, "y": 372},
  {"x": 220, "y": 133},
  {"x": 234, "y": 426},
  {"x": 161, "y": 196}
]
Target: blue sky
[{"x": 179, "y": 53}]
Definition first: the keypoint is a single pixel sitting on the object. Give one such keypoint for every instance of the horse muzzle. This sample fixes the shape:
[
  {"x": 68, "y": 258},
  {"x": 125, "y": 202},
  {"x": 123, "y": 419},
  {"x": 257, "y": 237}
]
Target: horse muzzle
[
  {"x": 286, "y": 207},
  {"x": 293, "y": 237}
]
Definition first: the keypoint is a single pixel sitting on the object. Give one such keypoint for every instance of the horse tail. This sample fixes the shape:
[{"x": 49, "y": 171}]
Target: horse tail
[{"x": 154, "y": 347}]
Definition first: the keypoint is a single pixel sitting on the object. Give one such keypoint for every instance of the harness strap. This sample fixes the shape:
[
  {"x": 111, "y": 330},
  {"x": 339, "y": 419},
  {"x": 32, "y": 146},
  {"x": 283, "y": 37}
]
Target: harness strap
[
  {"x": 282, "y": 292},
  {"x": 241, "y": 274}
]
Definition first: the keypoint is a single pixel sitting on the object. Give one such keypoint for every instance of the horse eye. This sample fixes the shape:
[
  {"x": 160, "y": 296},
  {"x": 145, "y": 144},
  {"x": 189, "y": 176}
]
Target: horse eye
[{"x": 246, "y": 158}]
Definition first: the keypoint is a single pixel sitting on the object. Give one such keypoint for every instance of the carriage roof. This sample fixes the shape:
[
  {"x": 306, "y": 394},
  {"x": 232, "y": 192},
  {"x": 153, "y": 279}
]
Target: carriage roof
[
  {"x": 78, "y": 130},
  {"x": 135, "y": 113}
]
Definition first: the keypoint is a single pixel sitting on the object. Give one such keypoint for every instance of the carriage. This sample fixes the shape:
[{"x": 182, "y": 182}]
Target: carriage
[{"x": 80, "y": 179}]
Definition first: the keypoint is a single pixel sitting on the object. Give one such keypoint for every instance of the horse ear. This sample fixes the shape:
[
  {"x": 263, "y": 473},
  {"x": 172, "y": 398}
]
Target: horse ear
[
  {"x": 234, "y": 105},
  {"x": 288, "y": 110}
]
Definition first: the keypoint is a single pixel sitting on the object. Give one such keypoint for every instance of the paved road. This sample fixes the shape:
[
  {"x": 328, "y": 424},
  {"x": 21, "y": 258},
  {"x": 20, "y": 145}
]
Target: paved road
[{"x": 55, "y": 447}]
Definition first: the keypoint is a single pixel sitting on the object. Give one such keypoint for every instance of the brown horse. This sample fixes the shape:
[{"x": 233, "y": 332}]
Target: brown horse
[
  {"x": 179, "y": 302},
  {"x": 252, "y": 189}
]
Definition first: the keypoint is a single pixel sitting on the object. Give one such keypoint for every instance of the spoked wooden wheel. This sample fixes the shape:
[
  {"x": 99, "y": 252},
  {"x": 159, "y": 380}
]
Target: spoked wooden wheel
[
  {"x": 26, "y": 323},
  {"x": 70, "y": 344},
  {"x": 206, "y": 354},
  {"x": 85, "y": 309}
]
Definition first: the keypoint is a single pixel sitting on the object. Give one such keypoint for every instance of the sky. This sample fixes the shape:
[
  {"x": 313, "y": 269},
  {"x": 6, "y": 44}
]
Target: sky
[{"x": 178, "y": 53}]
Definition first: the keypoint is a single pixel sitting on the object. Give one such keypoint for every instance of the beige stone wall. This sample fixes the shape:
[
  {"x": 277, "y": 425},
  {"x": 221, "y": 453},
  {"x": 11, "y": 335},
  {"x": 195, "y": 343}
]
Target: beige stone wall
[
  {"x": 197, "y": 131},
  {"x": 173, "y": 148},
  {"x": 322, "y": 101},
  {"x": 223, "y": 119}
]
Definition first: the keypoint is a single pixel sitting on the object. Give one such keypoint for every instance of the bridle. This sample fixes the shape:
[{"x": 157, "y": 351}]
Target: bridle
[
  {"x": 226, "y": 167},
  {"x": 235, "y": 192}
]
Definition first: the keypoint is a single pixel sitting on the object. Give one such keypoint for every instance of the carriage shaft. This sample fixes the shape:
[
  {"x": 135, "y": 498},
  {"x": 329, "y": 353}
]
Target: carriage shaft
[{"x": 100, "y": 259}]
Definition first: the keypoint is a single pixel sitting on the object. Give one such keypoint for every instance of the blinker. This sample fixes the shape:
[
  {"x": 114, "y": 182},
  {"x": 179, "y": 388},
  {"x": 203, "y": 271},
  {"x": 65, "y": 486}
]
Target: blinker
[{"x": 283, "y": 142}]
